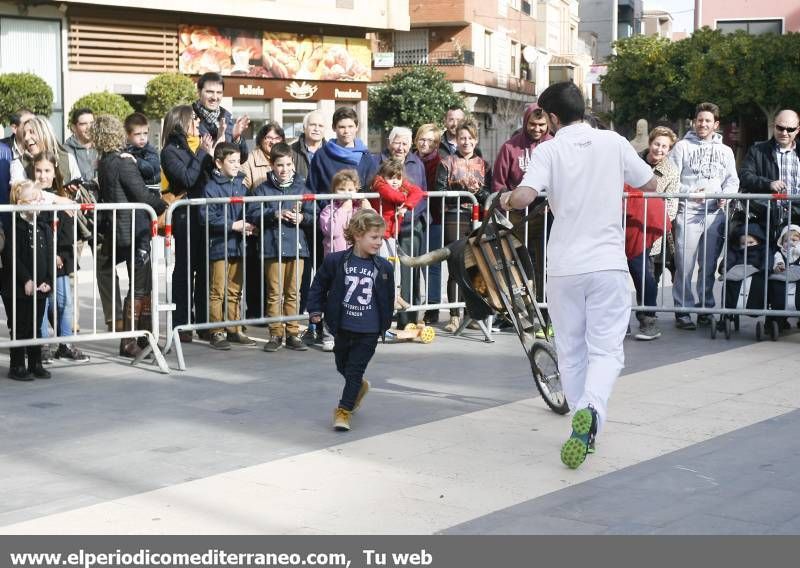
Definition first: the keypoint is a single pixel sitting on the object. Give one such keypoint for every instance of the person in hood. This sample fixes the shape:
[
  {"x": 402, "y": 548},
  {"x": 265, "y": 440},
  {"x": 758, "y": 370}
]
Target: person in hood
[
  {"x": 786, "y": 257},
  {"x": 747, "y": 247},
  {"x": 80, "y": 143},
  {"x": 509, "y": 167},
  {"x": 705, "y": 165}
]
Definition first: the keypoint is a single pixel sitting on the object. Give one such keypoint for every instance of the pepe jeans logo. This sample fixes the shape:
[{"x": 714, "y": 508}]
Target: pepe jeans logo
[{"x": 301, "y": 91}]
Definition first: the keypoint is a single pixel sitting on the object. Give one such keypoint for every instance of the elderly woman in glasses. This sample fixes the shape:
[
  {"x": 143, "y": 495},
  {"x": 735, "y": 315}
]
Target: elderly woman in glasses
[{"x": 257, "y": 166}]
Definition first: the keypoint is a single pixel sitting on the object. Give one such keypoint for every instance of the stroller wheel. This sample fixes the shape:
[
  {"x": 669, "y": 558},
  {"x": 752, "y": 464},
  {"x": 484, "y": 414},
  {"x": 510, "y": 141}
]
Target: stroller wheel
[
  {"x": 759, "y": 331},
  {"x": 773, "y": 330}
]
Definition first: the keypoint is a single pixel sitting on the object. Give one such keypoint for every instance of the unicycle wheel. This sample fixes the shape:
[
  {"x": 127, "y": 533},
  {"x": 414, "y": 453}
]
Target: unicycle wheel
[{"x": 544, "y": 365}]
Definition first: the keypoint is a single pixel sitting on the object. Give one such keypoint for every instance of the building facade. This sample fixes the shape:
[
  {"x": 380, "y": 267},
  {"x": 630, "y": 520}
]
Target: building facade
[
  {"x": 752, "y": 16},
  {"x": 280, "y": 59},
  {"x": 499, "y": 55},
  {"x": 610, "y": 20},
  {"x": 657, "y": 23}
]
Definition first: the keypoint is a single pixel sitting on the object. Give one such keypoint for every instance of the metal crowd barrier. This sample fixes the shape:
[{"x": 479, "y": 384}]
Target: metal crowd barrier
[
  {"x": 712, "y": 218},
  {"x": 315, "y": 245},
  {"x": 92, "y": 334}
]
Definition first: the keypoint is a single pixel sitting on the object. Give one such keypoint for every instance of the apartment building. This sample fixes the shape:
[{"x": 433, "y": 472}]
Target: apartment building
[
  {"x": 281, "y": 58},
  {"x": 752, "y": 16},
  {"x": 610, "y": 20},
  {"x": 499, "y": 55}
]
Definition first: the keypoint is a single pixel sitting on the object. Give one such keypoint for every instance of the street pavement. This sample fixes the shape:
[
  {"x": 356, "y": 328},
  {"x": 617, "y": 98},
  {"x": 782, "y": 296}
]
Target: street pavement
[{"x": 452, "y": 438}]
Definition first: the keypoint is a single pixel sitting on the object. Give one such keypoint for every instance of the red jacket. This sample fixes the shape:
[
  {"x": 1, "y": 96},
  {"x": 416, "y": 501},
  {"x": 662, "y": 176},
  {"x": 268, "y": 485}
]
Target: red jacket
[
  {"x": 408, "y": 195},
  {"x": 635, "y": 240}
]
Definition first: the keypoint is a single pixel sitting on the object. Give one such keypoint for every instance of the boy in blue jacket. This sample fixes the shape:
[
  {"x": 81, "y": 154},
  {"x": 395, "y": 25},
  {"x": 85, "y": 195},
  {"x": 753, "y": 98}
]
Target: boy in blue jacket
[
  {"x": 354, "y": 289},
  {"x": 226, "y": 228},
  {"x": 283, "y": 244}
]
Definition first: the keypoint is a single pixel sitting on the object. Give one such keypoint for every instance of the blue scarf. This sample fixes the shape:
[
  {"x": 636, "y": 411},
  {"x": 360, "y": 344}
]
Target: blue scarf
[{"x": 348, "y": 155}]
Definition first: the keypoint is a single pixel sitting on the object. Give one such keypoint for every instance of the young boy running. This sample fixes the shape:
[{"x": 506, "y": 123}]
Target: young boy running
[{"x": 354, "y": 290}]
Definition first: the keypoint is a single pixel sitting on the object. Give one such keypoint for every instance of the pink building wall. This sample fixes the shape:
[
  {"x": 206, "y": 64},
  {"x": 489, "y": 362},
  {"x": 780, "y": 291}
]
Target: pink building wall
[{"x": 707, "y": 12}]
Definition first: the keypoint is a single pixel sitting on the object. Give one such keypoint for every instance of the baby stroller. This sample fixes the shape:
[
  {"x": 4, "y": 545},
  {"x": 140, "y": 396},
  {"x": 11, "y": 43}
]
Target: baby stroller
[
  {"x": 744, "y": 284},
  {"x": 494, "y": 271}
]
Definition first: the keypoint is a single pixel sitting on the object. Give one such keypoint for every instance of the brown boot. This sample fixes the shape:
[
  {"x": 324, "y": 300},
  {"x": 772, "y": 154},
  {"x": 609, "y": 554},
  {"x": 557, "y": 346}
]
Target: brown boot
[
  {"x": 145, "y": 319},
  {"x": 128, "y": 347}
]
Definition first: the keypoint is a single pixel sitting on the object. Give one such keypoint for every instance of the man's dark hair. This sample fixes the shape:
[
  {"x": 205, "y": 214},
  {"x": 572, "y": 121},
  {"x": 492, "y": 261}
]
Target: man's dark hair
[
  {"x": 225, "y": 149},
  {"x": 16, "y": 118},
  {"x": 135, "y": 119},
  {"x": 343, "y": 113},
  {"x": 707, "y": 107},
  {"x": 565, "y": 100},
  {"x": 209, "y": 78},
  {"x": 76, "y": 115},
  {"x": 268, "y": 127},
  {"x": 454, "y": 107},
  {"x": 280, "y": 150}
]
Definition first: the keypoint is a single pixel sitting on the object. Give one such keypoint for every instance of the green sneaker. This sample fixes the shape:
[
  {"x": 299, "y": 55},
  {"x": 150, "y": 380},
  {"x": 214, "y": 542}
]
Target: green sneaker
[
  {"x": 584, "y": 427},
  {"x": 540, "y": 332}
]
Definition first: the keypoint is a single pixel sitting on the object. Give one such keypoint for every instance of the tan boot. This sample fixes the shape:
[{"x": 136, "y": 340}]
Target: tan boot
[
  {"x": 452, "y": 326},
  {"x": 128, "y": 347},
  {"x": 341, "y": 419}
]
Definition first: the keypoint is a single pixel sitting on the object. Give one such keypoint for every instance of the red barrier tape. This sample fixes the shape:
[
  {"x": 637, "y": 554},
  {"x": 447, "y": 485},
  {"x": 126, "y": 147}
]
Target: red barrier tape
[
  {"x": 167, "y": 235},
  {"x": 308, "y": 197},
  {"x": 87, "y": 206},
  {"x": 778, "y": 196},
  {"x": 476, "y": 212},
  {"x": 634, "y": 194},
  {"x": 237, "y": 199},
  {"x": 154, "y": 228}
]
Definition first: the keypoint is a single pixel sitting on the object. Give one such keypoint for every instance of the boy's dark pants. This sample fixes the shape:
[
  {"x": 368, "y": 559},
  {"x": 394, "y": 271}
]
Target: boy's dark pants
[{"x": 353, "y": 352}]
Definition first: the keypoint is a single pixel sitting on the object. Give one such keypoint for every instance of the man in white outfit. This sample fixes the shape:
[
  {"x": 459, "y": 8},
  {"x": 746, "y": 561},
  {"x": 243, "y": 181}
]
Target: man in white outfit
[{"x": 583, "y": 172}]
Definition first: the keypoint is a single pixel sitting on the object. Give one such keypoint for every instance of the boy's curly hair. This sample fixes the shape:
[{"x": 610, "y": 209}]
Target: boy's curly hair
[{"x": 363, "y": 220}]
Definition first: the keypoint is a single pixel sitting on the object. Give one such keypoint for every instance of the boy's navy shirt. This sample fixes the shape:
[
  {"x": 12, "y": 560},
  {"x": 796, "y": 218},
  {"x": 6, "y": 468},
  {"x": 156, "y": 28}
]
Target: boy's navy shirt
[
  {"x": 359, "y": 312},
  {"x": 328, "y": 289}
]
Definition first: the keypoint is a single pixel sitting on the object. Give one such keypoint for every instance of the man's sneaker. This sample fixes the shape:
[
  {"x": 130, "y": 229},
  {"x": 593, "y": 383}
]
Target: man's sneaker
[
  {"x": 327, "y": 344},
  {"x": 648, "y": 330},
  {"x": 240, "y": 338},
  {"x": 47, "y": 355},
  {"x": 362, "y": 392},
  {"x": 705, "y": 320},
  {"x": 218, "y": 341},
  {"x": 685, "y": 322},
  {"x": 294, "y": 342},
  {"x": 341, "y": 419},
  {"x": 584, "y": 428},
  {"x": 274, "y": 343},
  {"x": 67, "y": 351}
]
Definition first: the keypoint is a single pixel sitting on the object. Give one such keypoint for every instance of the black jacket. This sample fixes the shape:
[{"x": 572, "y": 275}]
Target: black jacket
[
  {"x": 186, "y": 171},
  {"x": 213, "y": 130},
  {"x": 759, "y": 169},
  {"x": 301, "y": 156},
  {"x": 19, "y": 250},
  {"x": 65, "y": 247},
  {"x": 120, "y": 182},
  {"x": 328, "y": 290},
  {"x": 148, "y": 162},
  {"x": 757, "y": 255}
]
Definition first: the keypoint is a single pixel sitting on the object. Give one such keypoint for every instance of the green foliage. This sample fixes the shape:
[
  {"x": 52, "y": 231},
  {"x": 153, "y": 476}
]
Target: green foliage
[
  {"x": 167, "y": 90},
  {"x": 24, "y": 90},
  {"x": 104, "y": 103},
  {"x": 414, "y": 96},
  {"x": 654, "y": 79}
]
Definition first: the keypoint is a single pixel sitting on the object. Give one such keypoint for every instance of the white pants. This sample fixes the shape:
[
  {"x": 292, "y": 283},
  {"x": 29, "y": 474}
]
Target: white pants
[{"x": 590, "y": 314}]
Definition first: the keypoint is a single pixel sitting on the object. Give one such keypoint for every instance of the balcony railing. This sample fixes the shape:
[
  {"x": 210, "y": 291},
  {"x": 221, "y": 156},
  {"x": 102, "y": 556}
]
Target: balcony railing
[{"x": 438, "y": 58}]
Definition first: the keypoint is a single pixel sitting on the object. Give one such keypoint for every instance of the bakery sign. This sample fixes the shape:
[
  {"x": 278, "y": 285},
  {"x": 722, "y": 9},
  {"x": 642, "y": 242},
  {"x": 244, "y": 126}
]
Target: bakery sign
[
  {"x": 274, "y": 55},
  {"x": 245, "y": 88}
]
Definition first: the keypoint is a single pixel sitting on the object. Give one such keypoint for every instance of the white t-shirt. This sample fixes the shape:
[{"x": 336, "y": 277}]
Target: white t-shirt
[{"x": 583, "y": 171}]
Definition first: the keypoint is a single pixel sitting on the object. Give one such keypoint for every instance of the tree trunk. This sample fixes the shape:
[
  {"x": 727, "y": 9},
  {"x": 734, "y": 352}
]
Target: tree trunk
[{"x": 770, "y": 113}]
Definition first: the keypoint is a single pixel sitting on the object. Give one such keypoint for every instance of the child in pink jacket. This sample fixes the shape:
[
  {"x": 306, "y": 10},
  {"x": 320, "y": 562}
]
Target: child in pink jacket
[{"x": 335, "y": 216}]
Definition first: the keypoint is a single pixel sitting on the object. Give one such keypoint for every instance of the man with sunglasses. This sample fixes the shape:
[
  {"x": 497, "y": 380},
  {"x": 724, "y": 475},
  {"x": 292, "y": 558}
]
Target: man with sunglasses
[{"x": 774, "y": 167}]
